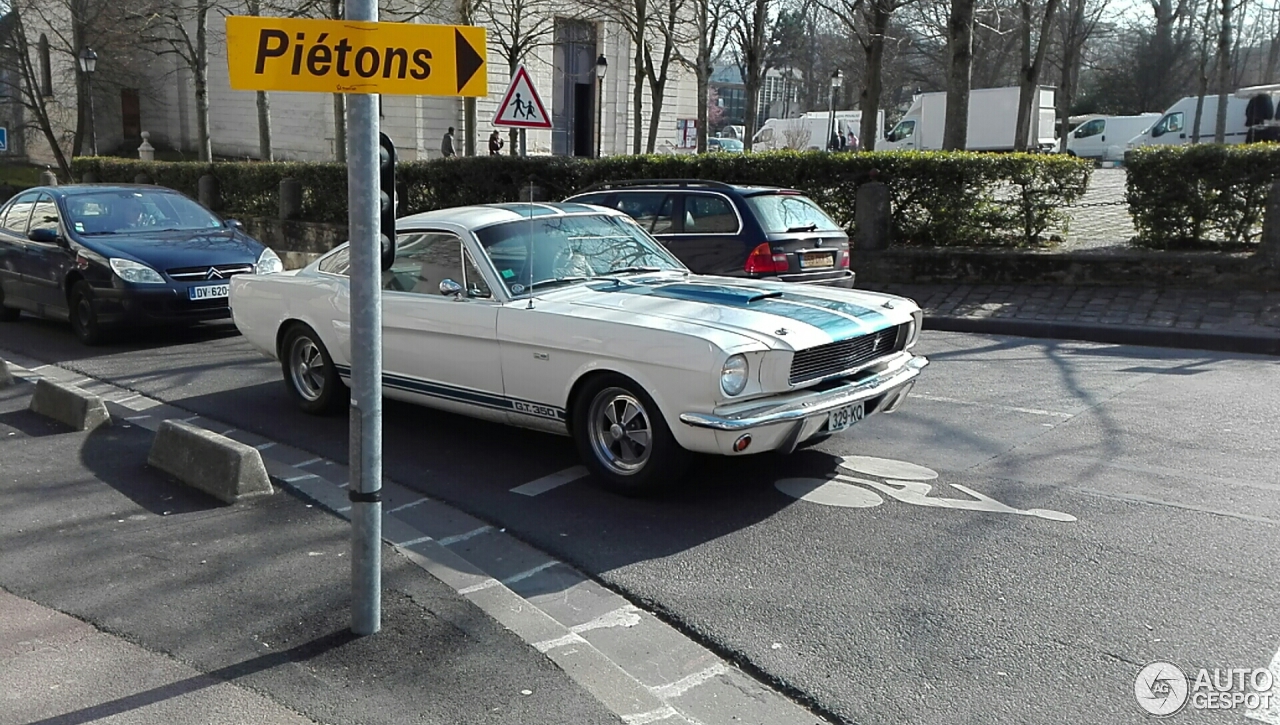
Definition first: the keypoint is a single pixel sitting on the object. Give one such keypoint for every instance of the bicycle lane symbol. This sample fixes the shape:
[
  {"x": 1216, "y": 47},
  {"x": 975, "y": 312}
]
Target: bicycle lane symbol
[{"x": 902, "y": 481}]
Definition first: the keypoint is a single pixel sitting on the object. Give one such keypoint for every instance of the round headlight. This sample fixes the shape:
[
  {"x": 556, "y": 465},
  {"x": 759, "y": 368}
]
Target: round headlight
[{"x": 733, "y": 377}]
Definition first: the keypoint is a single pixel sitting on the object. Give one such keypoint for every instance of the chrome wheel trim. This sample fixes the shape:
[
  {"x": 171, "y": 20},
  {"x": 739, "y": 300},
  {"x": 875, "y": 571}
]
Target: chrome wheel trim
[
  {"x": 307, "y": 368},
  {"x": 620, "y": 431}
]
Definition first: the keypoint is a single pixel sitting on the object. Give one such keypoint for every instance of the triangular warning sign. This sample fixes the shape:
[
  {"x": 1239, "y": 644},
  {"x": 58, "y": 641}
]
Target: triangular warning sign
[{"x": 521, "y": 107}]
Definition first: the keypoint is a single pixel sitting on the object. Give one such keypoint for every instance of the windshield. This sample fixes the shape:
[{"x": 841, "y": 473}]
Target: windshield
[
  {"x": 780, "y": 213},
  {"x": 128, "y": 210},
  {"x": 728, "y": 144},
  {"x": 570, "y": 249}
]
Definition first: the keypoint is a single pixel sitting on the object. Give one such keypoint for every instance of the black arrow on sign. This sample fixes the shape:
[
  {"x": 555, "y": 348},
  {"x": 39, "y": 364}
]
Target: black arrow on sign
[{"x": 468, "y": 60}]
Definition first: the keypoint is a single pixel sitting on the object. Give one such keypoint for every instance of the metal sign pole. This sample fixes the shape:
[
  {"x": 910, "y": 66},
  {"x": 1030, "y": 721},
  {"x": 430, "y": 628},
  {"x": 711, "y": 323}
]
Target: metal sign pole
[{"x": 366, "y": 351}]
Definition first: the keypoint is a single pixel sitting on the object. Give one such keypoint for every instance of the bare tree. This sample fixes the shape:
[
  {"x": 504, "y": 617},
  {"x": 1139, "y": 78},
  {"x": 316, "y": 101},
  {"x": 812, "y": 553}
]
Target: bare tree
[
  {"x": 668, "y": 26},
  {"x": 1079, "y": 21},
  {"x": 30, "y": 86},
  {"x": 1207, "y": 33},
  {"x": 751, "y": 35},
  {"x": 1224, "y": 69},
  {"x": 709, "y": 18},
  {"x": 955, "y": 133},
  {"x": 1032, "y": 64},
  {"x": 177, "y": 29},
  {"x": 867, "y": 21},
  {"x": 518, "y": 28}
]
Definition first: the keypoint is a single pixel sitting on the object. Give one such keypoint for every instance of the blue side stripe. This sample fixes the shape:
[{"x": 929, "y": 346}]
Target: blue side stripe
[{"x": 456, "y": 394}]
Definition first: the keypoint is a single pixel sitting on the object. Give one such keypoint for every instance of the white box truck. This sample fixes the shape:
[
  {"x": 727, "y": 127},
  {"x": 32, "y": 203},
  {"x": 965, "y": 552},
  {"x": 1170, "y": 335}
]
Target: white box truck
[
  {"x": 809, "y": 131},
  {"x": 1250, "y": 117},
  {"x": 1104, "y": 138},
  {"x": 993, "y": 118}
]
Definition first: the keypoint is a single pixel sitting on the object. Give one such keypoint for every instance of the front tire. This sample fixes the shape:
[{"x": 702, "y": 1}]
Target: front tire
[
  {"x": 309, "y": 373},
  {"x": 624, "y": 440},
  {"x": 84, "y": 316}
]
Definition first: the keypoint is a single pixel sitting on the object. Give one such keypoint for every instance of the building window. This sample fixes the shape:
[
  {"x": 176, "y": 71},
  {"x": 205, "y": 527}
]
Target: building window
[{"x": 46, "y": 68}]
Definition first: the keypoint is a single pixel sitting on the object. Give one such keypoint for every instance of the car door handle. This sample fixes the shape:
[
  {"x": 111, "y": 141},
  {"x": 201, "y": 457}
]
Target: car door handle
[
  {"x": 1104, "y": 138},
  {"x": 1182, "y": 135}
]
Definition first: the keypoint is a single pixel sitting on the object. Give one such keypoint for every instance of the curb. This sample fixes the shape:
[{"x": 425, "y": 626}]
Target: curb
[
  {"x": 226, "y": 469},
  {"x": 1111, "y": 334},
  {"x": 69, "y": 405}
]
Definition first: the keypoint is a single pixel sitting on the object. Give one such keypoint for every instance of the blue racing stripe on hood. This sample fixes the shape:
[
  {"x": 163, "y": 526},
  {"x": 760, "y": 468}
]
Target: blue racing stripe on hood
[{"x": 838, "y": 320}]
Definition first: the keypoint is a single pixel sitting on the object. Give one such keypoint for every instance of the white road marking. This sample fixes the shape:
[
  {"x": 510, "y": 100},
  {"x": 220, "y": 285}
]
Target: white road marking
[
  {"x": 127, "y": 398},
  {"x": 261, "y": 446},
  {"x": 684, "y": 684},
  {"x": 188, "y": 420},
  {"x": 888, "y": 468},
  {"x": 652, "y": 716},
  {"x": 624, "y": 616},
  {"x": 451, "y": 540},
  {"x": 1271, "y": 715},
  {"x": 554, "y": 480},
  {"x": 415, "y": 542},
  {"x": 1013, "y": 408},
  {"x": 137, "y": 417},
  {"x": 829, "y": 492},
  {"x": 303, "y": 477},
  {"x": 404, "y": 506},
  {"x": 526, "y": 574},
  {"x": 307, "y": 462},
  {"x": 550, "y": 644},
  {"x": 343, "y": 510},
  {"x": 486, "y": 584}
]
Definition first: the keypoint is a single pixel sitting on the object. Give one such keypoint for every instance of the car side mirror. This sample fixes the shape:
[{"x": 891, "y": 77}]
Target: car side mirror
[
  {"x": 44, "y": 235},
  {"x": 232, "y": 224},
  {"x": 449, "y": 288}
]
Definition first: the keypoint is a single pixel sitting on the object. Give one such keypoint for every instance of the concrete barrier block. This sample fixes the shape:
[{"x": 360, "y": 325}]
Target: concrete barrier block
[
  {"x": 223, "y": 468},
  {"x": 68, "y": 404},
  {"x": 6, "y": 377}
]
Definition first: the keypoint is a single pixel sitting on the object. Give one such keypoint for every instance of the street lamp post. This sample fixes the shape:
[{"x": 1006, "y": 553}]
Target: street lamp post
[
  {"x": 602, "y": 65},
  {"x": 837, "y": 80},
  {"x": 88, "y": 64}
]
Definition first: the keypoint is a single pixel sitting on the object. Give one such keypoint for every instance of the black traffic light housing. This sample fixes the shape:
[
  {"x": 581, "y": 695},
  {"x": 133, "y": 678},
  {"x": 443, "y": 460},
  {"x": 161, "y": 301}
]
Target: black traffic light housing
[{"x": 387, "y": 199}]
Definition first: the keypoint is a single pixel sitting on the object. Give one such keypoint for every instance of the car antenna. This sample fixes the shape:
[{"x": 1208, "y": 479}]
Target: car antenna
[{"x": 529, "y": 257}]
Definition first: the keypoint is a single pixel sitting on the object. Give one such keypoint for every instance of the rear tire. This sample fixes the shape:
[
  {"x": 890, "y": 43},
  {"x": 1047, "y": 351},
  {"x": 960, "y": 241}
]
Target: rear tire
[
  {"x": 309, "y": 373},
  {"x": 8, "y": 314},
  {"x": 623, "y": 439},
  {"x": 84, "y": 316}
]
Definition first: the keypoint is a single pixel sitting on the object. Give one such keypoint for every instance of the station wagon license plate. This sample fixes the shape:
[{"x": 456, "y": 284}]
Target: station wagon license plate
[
  {"x": 841, "y": 418},
  {"x": 817, "y": 260},
  {"x": 209, "y": 291}
]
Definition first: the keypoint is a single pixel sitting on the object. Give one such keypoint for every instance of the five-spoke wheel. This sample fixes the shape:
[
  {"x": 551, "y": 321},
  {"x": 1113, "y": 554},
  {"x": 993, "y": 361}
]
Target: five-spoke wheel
[{"x": 623, "y": 438}]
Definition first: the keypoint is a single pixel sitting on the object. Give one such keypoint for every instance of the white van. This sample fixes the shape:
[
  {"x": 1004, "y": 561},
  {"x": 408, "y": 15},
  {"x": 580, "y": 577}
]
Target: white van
[
  {"x": 1175, "y": 125},
  {"x": 1103, "y": 138},
  {"x": 993, "y": 116},
  {"x": 808, "y": 132}
]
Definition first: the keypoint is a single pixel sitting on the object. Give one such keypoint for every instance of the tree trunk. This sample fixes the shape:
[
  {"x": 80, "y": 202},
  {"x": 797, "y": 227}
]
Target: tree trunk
[
  {"x": 960, "y": 43},
  {"x": 513, "y": 136},
  {"x": 264, "y": 127},
  {"x": 881, "y": 11},
  {"x": 1071, "y": 52},
  {"x": 1273, "y": 48},
  {"x": 637, "y": 96},
  {"x": 704, "y": 93},
  {"x": 1224, "y": 72},
  {"x": 82, "y": 88},
  {"x": 202, "y": 81},
  {"x": 1029, "y": 79},
  {"x": 755, "y": 68}
]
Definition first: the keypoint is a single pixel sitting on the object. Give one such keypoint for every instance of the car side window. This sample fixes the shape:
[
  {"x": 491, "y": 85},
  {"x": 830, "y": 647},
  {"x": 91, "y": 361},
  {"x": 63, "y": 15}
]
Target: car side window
[
  {"x": 423, "y": 261},
  {"x": 651, "y": 210},
  {"x": 708, "y": 214},
  {"x": 45, "y": 214},
  {"x": 18, "y": 213},
  {"x": 1091, "y": 128},
  {"x": 473, "y": 280},
  {"x": 337, "y": 263}
]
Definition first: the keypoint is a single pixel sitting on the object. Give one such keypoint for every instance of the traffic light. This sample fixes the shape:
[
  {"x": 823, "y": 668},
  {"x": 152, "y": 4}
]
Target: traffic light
[{"x": 387, "y": 198}]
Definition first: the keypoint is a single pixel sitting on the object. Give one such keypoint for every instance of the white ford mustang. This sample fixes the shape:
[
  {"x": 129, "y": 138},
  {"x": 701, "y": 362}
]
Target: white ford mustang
[{"x": 571, "y": 319}]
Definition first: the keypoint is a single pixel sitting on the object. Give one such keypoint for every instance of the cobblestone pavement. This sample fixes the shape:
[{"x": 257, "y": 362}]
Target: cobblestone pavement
[
  {"x": 1217, "y": 313},
  {"x": 1100, "y": 219}
]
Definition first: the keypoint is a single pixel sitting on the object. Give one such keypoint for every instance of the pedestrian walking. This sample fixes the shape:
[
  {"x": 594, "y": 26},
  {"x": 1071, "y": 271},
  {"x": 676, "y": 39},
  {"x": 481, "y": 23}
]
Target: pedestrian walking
[
  {"x": 446, "y": 144},
  {"x": 495, "y": 143},
  {"x": 853, "y": 141}
]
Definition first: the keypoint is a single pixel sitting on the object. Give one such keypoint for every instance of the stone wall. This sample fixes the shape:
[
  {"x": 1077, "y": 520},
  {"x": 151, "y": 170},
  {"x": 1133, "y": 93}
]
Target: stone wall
[{"x": 297, "y": 243}]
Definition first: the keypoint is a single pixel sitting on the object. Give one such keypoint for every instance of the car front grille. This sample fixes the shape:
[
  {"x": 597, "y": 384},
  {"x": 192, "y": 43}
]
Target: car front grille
[
  {"x": 837, "y": 357},
  {"x": 223, "y": 271}
]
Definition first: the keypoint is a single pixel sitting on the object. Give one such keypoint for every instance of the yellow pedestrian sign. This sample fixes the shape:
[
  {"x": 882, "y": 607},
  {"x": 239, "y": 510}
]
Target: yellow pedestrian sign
[
  {"x": 521, "y": 107},
  {"x": 344, "y": 56}
]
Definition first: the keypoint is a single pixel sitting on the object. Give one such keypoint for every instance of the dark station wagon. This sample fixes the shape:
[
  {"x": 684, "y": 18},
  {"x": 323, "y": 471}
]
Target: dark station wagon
[{"x": 761, "y": 232}]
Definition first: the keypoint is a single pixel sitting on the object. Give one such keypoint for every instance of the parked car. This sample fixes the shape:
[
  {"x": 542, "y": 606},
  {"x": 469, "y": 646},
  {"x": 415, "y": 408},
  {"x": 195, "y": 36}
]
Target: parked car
[
  {"x": 762, "y": 232},
  {"x": 1104, "y": 138},
  {"x": 572, "y": 319},
  {"x": 729, "y": 145},
  {"x": 106, "y": 256}
]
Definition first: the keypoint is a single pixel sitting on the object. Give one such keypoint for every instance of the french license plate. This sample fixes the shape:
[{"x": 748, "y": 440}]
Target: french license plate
[
  {"x": 209, "y": 291},
  {"x": 841, "y": 418},
  {"x": 817, "y": 260}
]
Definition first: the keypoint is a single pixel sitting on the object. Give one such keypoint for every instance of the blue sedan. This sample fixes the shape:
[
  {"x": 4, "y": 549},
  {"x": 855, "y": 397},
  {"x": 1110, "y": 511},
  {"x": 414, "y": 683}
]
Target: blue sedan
[{"x": 104, "y": 257}]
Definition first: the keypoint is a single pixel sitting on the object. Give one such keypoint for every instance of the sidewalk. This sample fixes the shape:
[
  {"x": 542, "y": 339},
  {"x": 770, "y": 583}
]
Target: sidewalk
[{"x": 1220, "y": 320}]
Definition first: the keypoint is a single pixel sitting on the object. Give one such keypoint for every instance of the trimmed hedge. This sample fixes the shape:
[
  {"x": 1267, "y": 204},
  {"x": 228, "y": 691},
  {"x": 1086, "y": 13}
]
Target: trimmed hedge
[
  {"x": 1205, "y": 196},
  {"x": 938, "y": 199}
]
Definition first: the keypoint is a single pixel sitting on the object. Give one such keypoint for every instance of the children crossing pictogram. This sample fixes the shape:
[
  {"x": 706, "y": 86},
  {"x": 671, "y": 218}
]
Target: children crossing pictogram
[{"x": 521, "y": 106}]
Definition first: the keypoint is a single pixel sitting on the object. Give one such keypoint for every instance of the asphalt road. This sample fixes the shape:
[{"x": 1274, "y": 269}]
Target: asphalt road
[{"x": 1090, "y": 509}]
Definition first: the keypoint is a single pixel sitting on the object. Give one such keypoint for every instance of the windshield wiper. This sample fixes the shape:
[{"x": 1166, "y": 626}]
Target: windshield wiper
[
  {"x": 96, "y": 234},
  {"x": 633, "y": 270},
  {"x": 556, "y": 281},
  {"x": 810, "y": 227}
]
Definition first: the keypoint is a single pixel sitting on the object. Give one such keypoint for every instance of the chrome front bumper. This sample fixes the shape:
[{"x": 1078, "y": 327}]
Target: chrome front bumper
[{"x": 894, "y": 382}]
